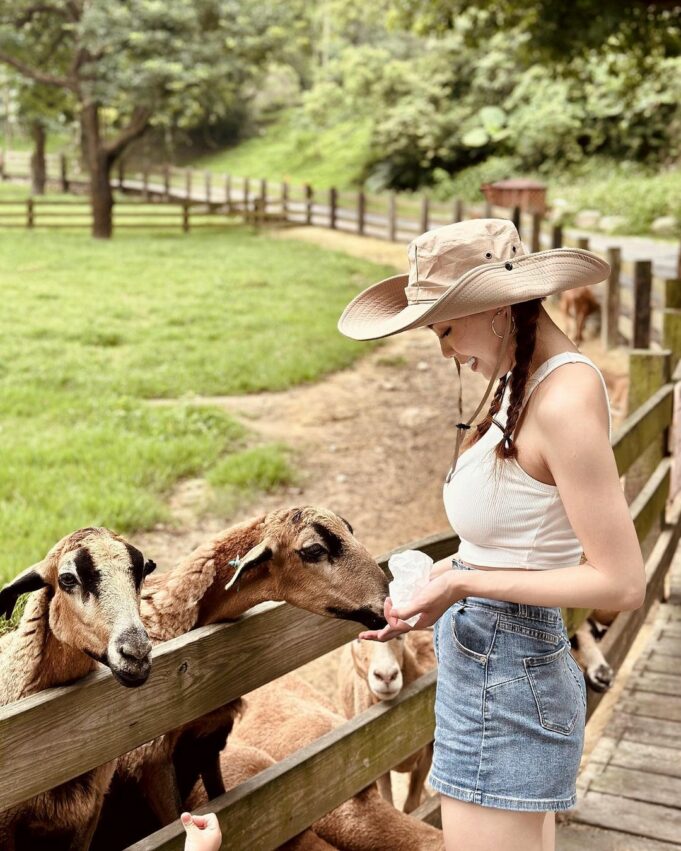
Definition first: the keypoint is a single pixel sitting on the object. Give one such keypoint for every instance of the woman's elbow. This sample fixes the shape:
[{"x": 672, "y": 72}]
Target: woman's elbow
[{"x": 635, "y": 596}]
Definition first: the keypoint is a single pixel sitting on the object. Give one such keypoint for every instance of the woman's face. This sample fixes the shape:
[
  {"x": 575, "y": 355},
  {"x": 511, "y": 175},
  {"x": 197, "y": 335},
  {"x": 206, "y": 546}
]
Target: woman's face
[{"x": 471, "y": 340}]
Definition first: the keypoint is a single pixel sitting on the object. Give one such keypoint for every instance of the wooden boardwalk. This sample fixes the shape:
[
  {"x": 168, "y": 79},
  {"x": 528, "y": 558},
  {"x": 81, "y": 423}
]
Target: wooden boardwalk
[{"x": 629, "y": 794}]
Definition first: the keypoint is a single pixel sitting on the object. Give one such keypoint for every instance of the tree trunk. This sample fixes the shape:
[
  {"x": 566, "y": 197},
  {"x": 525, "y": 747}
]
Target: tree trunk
[
  {"x": 99, "y": 165},
  {"x": 38, "y": 167}
]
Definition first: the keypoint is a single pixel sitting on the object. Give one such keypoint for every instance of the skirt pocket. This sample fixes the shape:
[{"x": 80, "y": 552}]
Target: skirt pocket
[
  {"x": 556, "y": 691},
  {"x": 473, "y": 629}
]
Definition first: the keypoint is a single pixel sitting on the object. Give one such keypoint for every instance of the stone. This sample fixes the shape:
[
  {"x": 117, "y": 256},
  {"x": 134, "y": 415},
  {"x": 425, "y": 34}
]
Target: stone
[
  {"x": 423, "y": 365},
  {"x": 587, "y": 218},
  {"x": 665, "y": 226},
  {"x": 609, "y": 224}
]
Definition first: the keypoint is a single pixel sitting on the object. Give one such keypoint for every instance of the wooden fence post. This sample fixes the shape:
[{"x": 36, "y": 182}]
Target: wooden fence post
[
  {"x": 29, "y": 213},
  {"x": 515, "y": 218},
  {"x": 121, "y": 173},
  {"x": 63, "y": 173},
  {"x": 535, "y": 242},
  {"x": 3, "y": 175},
  {"x": 557, "y": 236},
  {"x": 145, "y": 183},
  {"x": 648, "y": 371},
  {"x": 188, "y": 184},
  {"x": 166, "y": 182},
  {"x": 263, "y": 200},
  {"x": 228, "y": 193},
  {"x": 207, "y": 185},
  {"x": 424, "y": 214},
  {"x": 458, "y": 210},
  {"x": 333, "y": 201},
  {"x": 284, "y": 200},
  {"x": 583, "y": 242},
  {"x": 671, "y": 320},
  {"x": 610, "y": 308},
  {"x": 643, "y": 276},
  {"x": 392, "y": 216},
  {"x": 246, "y": 199},
  {"x": 185, "y": 215},
  {"x": 361, "y": 208},
  {"x": 308, "y": 204}
]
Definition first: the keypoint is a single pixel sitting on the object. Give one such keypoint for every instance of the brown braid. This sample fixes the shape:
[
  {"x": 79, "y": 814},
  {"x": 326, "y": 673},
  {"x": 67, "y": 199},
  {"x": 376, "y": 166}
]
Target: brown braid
[{"x": 526, "y": 315}]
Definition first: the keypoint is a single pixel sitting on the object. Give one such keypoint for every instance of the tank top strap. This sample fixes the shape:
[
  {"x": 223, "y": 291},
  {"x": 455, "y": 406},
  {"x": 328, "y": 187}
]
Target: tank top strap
[{"x": 549, "y": 365}]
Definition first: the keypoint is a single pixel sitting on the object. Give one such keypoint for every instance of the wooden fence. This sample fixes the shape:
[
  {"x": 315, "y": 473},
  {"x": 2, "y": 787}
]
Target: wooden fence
[
  {"x": 68, "y": 730},
  {"x": 633, "y": 300}
]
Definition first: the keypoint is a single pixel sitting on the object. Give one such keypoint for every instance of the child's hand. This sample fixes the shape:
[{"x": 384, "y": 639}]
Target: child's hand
[{"x": 203, "y": 832}]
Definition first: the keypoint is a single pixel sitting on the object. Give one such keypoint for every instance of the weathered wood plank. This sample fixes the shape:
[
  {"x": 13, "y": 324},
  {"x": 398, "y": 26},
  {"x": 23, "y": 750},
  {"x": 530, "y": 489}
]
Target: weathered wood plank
[
  {"x": 429, "y": 811},
  {"x": 69, "y": 730},
  {"x": 655, "y": 759},
  {"x": 652, "y": 705},
  {"x": 308, "y": 783},
  {"x": 582, "y": 837},
  {"x": 647, "y": 820},
  {"x": 640, "y": 785},
  {"x": 650, "y": 731},
  {"x": 642, "y": 427},
  {"x": 662, "y": 663},
  {"x": 668, "y": 646},
  {"x": 658, "y": 684}
]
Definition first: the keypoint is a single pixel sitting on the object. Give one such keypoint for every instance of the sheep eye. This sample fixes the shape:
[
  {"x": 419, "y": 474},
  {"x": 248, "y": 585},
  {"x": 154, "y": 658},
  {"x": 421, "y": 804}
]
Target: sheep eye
[
  {"x": 67, "y": 581},
  {"x": 314, "y": 552}
]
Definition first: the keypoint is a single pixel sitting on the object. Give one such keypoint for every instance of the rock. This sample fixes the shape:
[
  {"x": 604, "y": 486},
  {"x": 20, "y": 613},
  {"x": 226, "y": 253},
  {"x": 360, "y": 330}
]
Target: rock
[
  {"x": 413, "y": 417},
  {"x": 665, "y": 226},
  {"x": 332, "y": 447},
  {"x": 387, "y": 385},
  {"x": 609, "y": 224},
  {"x": 341, "y": 477},
  {"x": 587, "y": 218},
  {"x": 423, "y": 365}
]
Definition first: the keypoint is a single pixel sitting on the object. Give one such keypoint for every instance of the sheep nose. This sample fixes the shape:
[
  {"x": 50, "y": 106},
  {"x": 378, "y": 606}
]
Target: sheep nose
[
  {"x": 387, "y": 677},
  {"x": 134, "y": 646}
]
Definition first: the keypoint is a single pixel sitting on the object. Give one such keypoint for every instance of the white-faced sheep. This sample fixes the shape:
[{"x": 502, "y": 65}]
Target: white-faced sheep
[
  {"x": 85, "y": 610},
  {"x": 371, "y": 671},
  {"x": 287, "y": 714},
  {"x": 306, "y": 556}
]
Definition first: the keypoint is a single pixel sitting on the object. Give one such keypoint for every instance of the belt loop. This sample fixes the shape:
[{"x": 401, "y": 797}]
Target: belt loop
[{"x": 522, "y": 610}]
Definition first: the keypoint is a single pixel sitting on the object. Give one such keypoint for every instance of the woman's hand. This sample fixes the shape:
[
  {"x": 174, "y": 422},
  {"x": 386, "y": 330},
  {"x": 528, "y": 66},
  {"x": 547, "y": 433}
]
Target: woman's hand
[
  {"x": 430, "y": 604},
  {"x": 203, "y": 832}
]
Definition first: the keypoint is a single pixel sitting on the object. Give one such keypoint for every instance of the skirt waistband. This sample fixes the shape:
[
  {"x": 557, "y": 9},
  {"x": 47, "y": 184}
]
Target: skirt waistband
[{"x": 547, "y": 614}]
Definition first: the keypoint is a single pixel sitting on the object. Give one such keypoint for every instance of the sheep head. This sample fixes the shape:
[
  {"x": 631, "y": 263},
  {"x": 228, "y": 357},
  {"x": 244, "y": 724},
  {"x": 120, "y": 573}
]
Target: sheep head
[
  {"x": 312, "y": 560},
  {"x": 379, "y": 664},
  {"x": 93, "y": 579}
]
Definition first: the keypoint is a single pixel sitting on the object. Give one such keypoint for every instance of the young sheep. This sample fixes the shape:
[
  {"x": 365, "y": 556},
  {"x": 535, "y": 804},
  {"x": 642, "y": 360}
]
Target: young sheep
[
  {"x": 85, "y": 611},
  {"x": 598, "y": 672},
  {"x": 306, "y": 556},
  {"x": 371, "y": 671},
  {"x": 287, "y": 714}
]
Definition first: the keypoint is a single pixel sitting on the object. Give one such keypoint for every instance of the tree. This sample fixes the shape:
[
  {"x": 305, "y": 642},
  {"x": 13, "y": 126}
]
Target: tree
[{"x": 124, "y": 63}]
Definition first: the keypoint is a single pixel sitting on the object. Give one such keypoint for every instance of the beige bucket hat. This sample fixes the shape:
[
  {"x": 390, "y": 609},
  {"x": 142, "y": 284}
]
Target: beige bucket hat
[{"x": 465, "y": 268}]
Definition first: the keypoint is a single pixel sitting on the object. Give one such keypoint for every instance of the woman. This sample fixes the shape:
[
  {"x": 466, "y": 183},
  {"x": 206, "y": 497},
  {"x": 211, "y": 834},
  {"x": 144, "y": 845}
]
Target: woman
[{"x": 543, "y": 523}]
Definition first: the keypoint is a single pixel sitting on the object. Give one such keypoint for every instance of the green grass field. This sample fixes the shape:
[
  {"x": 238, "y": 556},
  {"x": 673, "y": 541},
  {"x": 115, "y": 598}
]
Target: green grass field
[{"x": 90, "y": 331}]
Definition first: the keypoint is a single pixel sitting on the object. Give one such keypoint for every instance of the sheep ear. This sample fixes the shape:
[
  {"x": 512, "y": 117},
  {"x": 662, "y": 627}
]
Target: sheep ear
[
  {"x": 258, "y": 554},
  {"x": 28, "y": 580},
  {"x": 149, "y": 567}
]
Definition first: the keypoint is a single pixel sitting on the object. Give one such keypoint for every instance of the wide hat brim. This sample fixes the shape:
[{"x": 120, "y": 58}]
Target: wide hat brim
[{"x": 383, "y": 309}]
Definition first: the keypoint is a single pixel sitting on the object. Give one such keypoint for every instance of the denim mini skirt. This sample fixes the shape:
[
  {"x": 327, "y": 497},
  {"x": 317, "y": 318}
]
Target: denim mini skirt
[{"x": 510, "y": 706}]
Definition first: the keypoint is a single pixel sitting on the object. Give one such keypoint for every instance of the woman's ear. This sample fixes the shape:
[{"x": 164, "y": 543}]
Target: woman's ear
[{"x": 31, "y": 579}]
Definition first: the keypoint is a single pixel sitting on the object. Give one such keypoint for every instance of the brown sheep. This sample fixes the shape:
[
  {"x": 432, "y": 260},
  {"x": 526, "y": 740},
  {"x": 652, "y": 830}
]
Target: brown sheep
[
  {"x": 306, "y": 556},
  {"x": 371, "y": 671},
  {"x": 85, "y": 610},
  {"x": 287, "y": 714}
]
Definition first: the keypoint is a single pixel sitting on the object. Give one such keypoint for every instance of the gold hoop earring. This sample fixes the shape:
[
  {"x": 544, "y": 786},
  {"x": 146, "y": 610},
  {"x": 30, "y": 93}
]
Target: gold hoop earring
[{"x": 494, "y": 330}]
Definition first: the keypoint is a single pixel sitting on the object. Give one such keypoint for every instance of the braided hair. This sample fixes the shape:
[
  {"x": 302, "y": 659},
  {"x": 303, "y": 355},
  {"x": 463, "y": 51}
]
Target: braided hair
[{"x": 526, "y": 315}]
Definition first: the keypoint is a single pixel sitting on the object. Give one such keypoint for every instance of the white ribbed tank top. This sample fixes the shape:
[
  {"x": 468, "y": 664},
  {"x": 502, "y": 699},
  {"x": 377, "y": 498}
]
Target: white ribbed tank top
[{"x": 521, "y": 522}]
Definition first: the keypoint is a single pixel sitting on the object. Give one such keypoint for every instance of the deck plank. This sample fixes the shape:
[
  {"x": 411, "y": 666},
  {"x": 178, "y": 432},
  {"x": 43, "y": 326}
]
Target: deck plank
[{"x": 624, "y": 814}]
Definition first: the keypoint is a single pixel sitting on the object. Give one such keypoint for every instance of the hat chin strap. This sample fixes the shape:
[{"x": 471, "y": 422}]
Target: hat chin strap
[{"x": 460, "y": 426}]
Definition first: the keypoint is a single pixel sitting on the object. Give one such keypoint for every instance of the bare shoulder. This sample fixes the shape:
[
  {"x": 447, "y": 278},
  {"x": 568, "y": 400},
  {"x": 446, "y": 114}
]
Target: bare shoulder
[{"x": 571, "y": 399}]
